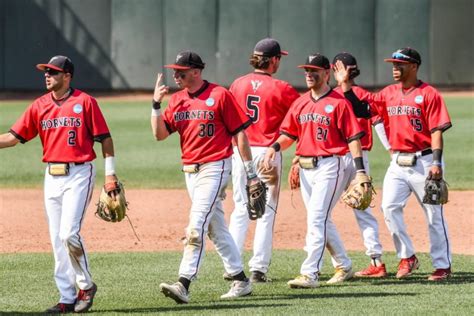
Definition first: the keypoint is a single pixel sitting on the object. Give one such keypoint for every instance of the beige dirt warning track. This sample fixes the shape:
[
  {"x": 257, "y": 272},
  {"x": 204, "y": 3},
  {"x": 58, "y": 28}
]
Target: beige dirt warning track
[{"x": 160, "y": 216}]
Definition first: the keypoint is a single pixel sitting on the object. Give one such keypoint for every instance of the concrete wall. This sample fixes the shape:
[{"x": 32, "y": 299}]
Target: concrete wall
[{"x": 121, "y": 44}]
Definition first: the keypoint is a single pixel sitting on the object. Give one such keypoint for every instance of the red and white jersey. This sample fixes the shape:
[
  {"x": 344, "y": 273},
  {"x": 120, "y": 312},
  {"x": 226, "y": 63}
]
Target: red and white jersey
[
  {"x": 365, "y": 124},
  {"x": 411, "y": 116},
  {"x": 206, "y": 121},
  {"x": 67, "y": 128},
  {"x": 322, "y": 127},
  {"x": 266, "y": 101}
]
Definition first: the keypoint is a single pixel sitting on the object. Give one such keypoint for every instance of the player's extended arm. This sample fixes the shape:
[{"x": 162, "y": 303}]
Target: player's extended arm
[
  {"x": 356, "y": 151},
  {"x": 436, "y": 171},
  {"x": 108, "y": 154},
  {"x": 157, "y": 123},
  {"x": 8, "y": 140},
  {"x": 380, "y": 130},
  {"x": 282, "y": 143}
]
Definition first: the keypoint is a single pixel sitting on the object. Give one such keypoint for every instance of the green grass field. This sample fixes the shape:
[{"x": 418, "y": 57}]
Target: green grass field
[
  {"x": 143, "y": 162},
  {"x": 128, "y": 284}
]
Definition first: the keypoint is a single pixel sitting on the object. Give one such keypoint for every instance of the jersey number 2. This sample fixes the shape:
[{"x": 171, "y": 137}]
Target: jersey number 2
[
  {"x": 252, "y": 106},
  {"x": 71, "y": 138}
]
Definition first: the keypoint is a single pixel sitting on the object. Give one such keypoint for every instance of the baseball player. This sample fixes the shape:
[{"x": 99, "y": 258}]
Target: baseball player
[
  {"x": 415, "y": 117},
  {"x": 266, "y": 100},
  {"x": 207, "y": 118},
  {"x": 68, "y": 121},
  {"x": 324, "y": 126},
  {"x": 367, "y": 223}
]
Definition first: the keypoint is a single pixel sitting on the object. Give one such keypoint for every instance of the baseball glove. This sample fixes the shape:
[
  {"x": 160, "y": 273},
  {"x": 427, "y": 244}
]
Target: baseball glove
[
  {"x": 294, "y": 177},
  {"x": 359, "y": 194},
  {"x": 436, "y": 192},
  {"x": 112, "y": 206},
  {"x": 257, "y": 199}
]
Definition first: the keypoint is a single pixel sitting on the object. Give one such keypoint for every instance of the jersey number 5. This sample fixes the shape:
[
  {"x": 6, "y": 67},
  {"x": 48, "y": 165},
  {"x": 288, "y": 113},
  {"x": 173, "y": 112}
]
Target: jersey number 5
[{"x": 252, "y": 106}]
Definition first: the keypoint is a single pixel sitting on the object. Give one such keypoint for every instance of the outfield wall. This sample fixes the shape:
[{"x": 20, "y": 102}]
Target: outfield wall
[{"x": 121, "y": 44}]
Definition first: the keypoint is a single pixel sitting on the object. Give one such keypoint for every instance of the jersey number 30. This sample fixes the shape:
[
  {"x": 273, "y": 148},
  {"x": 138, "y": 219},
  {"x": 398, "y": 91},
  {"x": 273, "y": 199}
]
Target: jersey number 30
[{"x": 252, "y": 106}]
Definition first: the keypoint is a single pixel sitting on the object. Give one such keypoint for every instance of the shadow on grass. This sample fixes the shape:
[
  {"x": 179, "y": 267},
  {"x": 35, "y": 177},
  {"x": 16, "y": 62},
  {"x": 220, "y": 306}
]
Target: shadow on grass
[{"x": 303, "y": 294}]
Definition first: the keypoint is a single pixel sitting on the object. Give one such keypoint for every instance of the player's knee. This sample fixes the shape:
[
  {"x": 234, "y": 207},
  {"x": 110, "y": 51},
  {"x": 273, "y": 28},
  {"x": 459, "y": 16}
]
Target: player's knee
[
  {"x": 193, "y": 237},
  {"x": 72, "y": 244}
]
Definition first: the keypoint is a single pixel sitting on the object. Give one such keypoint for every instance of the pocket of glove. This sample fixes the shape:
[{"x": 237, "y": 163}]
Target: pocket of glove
[
  {"x": 112, "y": 209},
  {"x": 436, "y": 192},
  {"x": 257, "y": 199}
]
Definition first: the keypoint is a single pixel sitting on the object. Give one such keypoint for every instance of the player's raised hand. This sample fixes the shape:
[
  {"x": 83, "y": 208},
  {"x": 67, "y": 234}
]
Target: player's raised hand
[
  {"x": 341, "y": 72},
  {"x": 160, "y": 90}
]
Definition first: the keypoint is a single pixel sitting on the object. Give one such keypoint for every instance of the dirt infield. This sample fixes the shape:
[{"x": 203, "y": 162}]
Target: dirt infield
[{"x": 160, "y": 216}]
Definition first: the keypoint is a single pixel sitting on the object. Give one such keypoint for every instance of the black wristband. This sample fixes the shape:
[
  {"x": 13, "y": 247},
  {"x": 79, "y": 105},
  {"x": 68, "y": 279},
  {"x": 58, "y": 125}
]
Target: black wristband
[
  {"x": 437, "y": 154},
  {"x": 156, "y": 105},
  {"x": 359, "y": 163},
  {"x": 276, "y": 146}
]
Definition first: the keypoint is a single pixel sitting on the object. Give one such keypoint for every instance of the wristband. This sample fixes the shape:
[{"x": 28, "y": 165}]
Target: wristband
[
  {"x": 276, "y": 146},
  {"x": 110, "y": 166},
  {"x": 155, "y": 112},
  {"x": 436, "y": 163},
  {"x": 359, "y": 163},
  {"x": 250, "y": 169},
  {"x": 156, "y": 105},
  {"x": 437, "y": 154}
]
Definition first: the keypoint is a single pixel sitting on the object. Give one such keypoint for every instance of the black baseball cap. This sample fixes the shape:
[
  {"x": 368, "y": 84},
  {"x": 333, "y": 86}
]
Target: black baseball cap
[
  {"x": 405, "y": 55},
  {"x": 59, "y": 63},
  {"x": 187, "y": 60},
  {"x": 316, "y": 61},
  {"x": 348, "y": 60},
  {"x": 268, "y": 47}
]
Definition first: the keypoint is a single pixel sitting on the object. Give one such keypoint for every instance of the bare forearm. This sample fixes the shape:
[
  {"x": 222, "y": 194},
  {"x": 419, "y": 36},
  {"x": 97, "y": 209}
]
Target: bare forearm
[
  {"x": 108, "y": 147},
  {"x": 8, "y": 140},
  {"x": 158, "y": 127},
  {"x": 243, "y": 146}
]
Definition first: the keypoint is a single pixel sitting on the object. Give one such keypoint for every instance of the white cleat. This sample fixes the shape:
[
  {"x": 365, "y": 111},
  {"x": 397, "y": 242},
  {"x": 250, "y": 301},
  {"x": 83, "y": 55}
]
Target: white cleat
[
  {"x": 238, "y": 289},
  {"x": 341, "y": 276},
  {"x": 175, "y": 291},
  {"x": 303, "y": 282}
]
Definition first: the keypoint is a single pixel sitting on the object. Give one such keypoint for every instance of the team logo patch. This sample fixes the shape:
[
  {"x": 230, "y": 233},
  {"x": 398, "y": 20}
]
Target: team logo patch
[
  {"x": 210, "y": 102},
  {"x": 329, "y": 108},
  {"x": 418, "y": 99},
  {"x": 77, "y": 108},
  {"x": 256, "y": 84}
]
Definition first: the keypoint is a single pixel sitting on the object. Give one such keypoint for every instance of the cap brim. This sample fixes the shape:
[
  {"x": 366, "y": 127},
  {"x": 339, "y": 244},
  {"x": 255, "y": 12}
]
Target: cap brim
[
  {"x": 43, "y": 67},
  {"x": 284, "y": 52},
  {"x": 179, "y": 67},
  {"x": 311, "y": 66},
  {"x": 393, "y": 60}
]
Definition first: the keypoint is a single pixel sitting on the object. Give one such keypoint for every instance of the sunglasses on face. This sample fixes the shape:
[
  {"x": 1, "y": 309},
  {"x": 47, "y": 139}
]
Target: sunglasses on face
[
  {"x": 52, "y": 72},
  {"x": 180, "y": 74}
]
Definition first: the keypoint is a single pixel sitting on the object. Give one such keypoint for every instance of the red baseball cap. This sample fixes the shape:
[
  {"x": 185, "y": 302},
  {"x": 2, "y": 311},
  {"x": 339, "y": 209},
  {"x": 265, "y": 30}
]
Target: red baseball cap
[
  {"x": 187, "y": 60},
  {"x": 59, "y": 63}
]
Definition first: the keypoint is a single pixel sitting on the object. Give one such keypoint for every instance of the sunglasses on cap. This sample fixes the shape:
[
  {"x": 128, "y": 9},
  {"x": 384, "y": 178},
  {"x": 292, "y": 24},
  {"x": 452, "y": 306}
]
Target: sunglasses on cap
[
  {"x": 52, "y": 72},
  {"x": 400, "y": 56}
]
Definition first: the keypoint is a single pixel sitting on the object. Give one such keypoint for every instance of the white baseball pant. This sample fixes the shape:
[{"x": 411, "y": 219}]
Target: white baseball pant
[
  {"x": 321, "y": 188},
  {"x": 207, "y": 217},
  {"x": 398, "y": 184},
  {"x": 66, "y": 199},
  {"x": 239, "y": 220}
]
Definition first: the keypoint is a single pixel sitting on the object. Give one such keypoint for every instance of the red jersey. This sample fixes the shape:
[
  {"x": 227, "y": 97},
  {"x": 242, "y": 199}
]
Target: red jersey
[
  {"x": 322, "y": 127},
  {"x": 206, "y": 121},
  {"x": 410, "y": 117},
  {"x": 67, "y": 128},
  {"x": 266, "y": 101},
  {"x": 366, "y": 125}
]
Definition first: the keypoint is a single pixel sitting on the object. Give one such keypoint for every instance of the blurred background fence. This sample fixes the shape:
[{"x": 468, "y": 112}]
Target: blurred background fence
[{"x": 121, "y": 44}]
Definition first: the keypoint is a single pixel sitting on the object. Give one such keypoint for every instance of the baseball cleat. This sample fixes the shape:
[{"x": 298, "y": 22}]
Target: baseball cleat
[
  {"x": 303, "y": 282},
  {"x": 238, "y": 289},
  {"x": 85, "y": 298},
  {"x": 440, "y": 275},
  {"x": 406, "y": 267},
  {"x": 372, "y": 272},
  {"x": 340, "y": 276},
  {"x": 176, "y": 291},
  {"x": 60, "y": 308},
  {"x": 227, "y": 276},
  {"x": 259, "y": 277}
]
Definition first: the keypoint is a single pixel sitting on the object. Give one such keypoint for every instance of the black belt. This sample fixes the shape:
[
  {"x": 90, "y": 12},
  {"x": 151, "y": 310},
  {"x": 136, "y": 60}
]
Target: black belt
[
  {"x": 318, "y": 157},
  {"x": 70, "y": 163}
]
